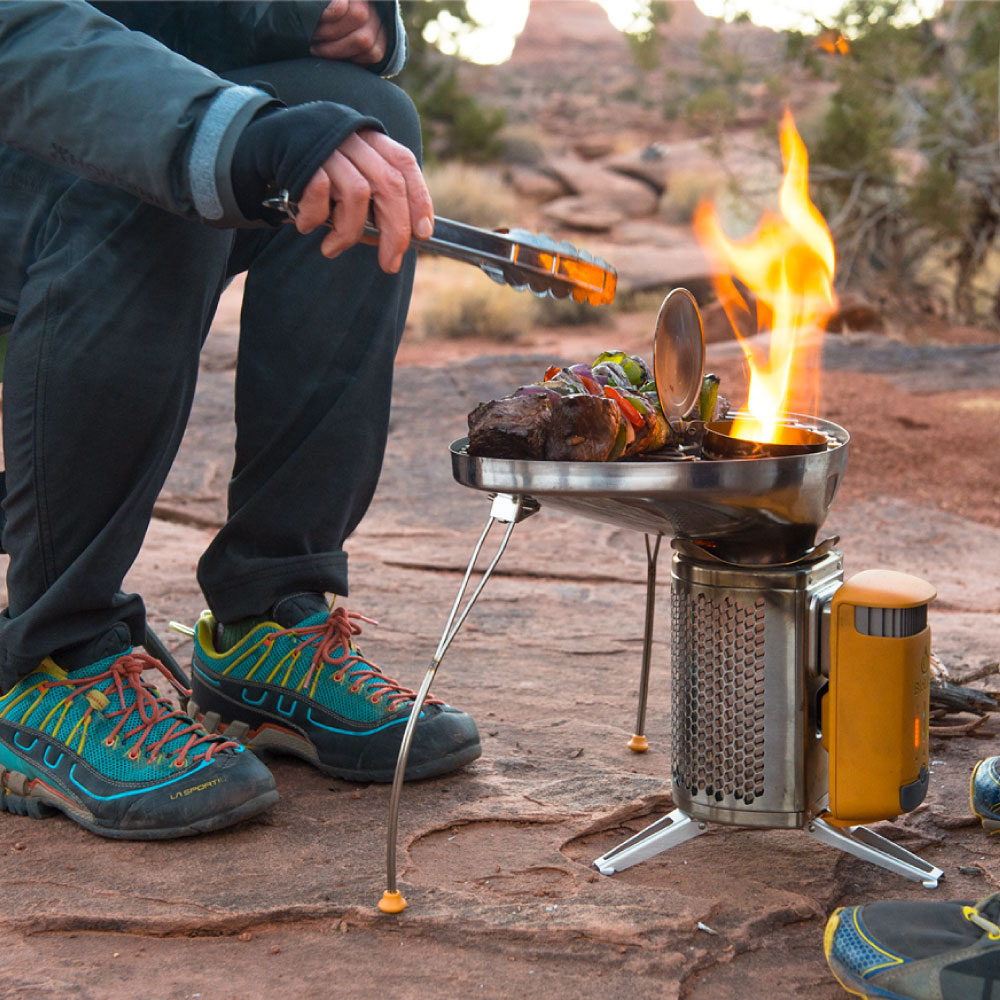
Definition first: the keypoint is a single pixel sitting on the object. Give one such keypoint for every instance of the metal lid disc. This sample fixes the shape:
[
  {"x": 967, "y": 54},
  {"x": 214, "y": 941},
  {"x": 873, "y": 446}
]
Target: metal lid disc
[{"x": 678, "y": 353}]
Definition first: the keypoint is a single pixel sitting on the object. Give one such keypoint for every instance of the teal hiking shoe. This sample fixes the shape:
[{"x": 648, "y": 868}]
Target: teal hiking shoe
[
  {"x": 310, "y": 692},
  {"x": 917, "y": 950},
  {"x": 102, "y": 746},
  {"x": 984, "y": 793}
]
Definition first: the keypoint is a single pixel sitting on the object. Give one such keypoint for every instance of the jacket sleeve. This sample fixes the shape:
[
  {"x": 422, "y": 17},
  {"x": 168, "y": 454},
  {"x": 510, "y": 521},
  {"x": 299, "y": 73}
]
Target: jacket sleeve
[
  {"x": 234, "y": 34},
  {"x": 82, "y": 92}
]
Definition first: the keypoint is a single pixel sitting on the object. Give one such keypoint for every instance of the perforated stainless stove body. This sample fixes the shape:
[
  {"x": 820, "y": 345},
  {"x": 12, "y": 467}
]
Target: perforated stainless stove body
[{"x": 745, "y": 656}]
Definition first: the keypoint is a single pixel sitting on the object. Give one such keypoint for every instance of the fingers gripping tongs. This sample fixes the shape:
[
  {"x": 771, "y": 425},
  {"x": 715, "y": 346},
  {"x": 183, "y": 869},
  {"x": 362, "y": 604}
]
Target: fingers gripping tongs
[{"x": 514, "y": 257}]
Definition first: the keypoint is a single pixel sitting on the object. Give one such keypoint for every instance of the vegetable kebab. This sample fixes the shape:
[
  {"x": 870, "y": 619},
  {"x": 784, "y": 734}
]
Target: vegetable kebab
[{"x": 600, "y": 412}]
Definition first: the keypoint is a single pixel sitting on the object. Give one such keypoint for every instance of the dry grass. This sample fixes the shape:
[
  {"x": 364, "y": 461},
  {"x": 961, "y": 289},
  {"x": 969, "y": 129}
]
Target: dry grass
[
  {"x": 452, "y": 301},
  {"x": 475, "y": 195},
  {"x": 686, "y": 189}
]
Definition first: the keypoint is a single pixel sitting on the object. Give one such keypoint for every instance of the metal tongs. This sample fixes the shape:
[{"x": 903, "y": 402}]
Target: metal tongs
[{"x": 514, "y": 257}]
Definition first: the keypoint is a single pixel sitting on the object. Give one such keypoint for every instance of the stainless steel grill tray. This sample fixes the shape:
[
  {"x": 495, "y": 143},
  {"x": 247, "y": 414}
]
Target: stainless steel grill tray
[{"x": 760, "y": 511}]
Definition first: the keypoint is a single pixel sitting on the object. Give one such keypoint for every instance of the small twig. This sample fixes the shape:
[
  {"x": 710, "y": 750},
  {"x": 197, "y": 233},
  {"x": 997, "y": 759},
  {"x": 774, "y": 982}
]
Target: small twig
[
  {"x": 986, "y": 670},
  {"x": 962, "y": 729}
]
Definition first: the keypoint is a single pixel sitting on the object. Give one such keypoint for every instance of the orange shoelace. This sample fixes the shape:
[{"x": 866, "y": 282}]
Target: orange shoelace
[
  {"x": 337, "y": 633},
  {"x": 152, "y": 709}
]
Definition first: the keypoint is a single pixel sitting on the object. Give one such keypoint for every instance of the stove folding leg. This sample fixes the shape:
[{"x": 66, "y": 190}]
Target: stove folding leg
[
  {"x": 870, "y": 846},
  {"x": 506, "y": 509},
  {"x": 639, "y": 743},
  {"x": 667, "y": 832}
]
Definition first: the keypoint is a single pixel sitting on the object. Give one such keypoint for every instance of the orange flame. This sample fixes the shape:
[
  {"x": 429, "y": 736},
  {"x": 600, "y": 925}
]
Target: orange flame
[{"x": 787, "y": 263}]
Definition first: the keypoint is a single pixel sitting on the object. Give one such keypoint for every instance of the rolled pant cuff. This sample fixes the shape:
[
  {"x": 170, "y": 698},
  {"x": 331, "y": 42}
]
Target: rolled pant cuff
[{"x": 254, "y": 592}]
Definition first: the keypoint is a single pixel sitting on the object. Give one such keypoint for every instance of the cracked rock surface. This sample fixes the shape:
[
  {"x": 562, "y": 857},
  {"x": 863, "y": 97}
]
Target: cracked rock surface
[{"x": 496, "y": 861}]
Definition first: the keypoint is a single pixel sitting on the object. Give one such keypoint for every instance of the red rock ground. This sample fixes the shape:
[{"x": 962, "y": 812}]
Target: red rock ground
[{"x": 496, "y": 861}]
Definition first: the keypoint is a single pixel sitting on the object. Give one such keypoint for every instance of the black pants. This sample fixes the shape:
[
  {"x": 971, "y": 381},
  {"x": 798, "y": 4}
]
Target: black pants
[{"x": 113, "y": 299}]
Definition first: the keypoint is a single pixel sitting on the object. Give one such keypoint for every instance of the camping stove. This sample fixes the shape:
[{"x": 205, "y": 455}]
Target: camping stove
[
  {"x": 773, "y": 726},
  {"x": 744, "y": 644},
  {"x": 799, "y": 700}
]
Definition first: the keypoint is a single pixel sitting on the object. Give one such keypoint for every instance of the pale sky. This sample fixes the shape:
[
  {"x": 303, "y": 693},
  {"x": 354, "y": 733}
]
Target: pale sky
[{"x": 502, "y": 20}]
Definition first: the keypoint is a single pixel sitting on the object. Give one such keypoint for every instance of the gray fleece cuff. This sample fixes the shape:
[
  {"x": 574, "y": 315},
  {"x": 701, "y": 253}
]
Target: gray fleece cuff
[
  {"x": 212, "y": 150},
  {"x": 396, "y": 59}
]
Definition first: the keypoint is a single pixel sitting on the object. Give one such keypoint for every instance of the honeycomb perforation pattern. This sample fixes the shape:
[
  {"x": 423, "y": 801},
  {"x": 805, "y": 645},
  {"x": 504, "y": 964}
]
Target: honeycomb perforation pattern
[{"x": 717, "y": 656}]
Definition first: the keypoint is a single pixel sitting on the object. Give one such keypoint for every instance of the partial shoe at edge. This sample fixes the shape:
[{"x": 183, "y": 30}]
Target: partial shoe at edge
[
  {"x": 917, "y": 950},
  {"x": 102, "y": 746}
]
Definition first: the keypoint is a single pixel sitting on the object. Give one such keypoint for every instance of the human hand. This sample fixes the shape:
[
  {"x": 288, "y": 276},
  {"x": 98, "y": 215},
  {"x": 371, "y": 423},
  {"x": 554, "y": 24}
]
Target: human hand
[
  {"x": 350, "y": 30},
  {"x": 368, "y": 167}
]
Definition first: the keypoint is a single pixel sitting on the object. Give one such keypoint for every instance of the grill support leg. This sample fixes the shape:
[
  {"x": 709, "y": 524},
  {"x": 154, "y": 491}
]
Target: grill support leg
[
  {"x": 639, "y": 743},
  {"x": 506, "y": 509}
]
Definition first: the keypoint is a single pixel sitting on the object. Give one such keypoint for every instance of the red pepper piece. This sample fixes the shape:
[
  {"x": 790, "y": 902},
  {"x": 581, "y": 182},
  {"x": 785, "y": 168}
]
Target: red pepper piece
[
  {"x": 631, "y": 414},
  {"x": 551, "y": 373}
]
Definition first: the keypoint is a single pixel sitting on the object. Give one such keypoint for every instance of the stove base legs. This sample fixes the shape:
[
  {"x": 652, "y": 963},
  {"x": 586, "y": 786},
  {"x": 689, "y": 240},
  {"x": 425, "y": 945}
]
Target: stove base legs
[
  {"x": 678, "y": 826},
  {"x": 660, "y": 836},
  {"x": 869, "y": 846}
]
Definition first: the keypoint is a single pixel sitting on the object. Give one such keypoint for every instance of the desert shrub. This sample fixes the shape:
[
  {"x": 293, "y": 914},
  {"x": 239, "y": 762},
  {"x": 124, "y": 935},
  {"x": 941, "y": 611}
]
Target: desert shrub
[
  {"x": 685, "y": 189},
  {"x": 712, "y": 111},
  {"x": 521, "y": 146},
  {"x": 454, "y": 123},
  {"x": 474, "y": 306},
  {"x": 921, "y": 95},
  {"x": 475, "y": 195}
]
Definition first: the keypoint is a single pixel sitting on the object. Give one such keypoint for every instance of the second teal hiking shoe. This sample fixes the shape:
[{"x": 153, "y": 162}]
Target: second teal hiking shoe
[
  {"x": 309, "y": 691},
  {"x": 102, "y": 746},
  {"x": 984, "y": 793},
  {"x": 916, "y": 950}
]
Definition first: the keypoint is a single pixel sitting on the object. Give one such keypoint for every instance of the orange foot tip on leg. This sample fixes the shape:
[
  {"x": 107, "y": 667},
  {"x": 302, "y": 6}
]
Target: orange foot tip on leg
[
  {"x": 638, "y": 743},
  {"x": 392, "y": 902}
]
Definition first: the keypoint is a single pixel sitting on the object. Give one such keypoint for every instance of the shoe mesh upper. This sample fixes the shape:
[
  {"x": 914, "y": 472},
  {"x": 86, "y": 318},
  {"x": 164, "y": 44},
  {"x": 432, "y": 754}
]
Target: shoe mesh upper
[
  {"x": 61, "y": 712},
  {"x": 854, "y": 947},
  {"x": 285, "y": 661}
]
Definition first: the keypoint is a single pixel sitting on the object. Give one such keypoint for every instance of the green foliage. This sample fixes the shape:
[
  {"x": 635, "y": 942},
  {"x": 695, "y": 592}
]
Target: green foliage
[
  {"x": 461, "y": 128},
  {"x": 858, "y": 132},
  {"x": 936, "y": 202},
  {"x": 712, "y": 110},
  {"x": 907, "y": 150},
  {"x": 454, "y": 123},
  {"x": 644, "y": 42}
]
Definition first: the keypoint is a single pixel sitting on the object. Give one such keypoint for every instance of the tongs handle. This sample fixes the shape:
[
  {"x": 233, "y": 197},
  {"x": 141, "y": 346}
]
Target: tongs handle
[{"x": 519, "y": 259}]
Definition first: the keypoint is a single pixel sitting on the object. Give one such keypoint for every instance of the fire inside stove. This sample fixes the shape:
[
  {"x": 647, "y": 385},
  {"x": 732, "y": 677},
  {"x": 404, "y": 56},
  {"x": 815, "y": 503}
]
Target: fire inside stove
[{"x": 779, "y": 278}]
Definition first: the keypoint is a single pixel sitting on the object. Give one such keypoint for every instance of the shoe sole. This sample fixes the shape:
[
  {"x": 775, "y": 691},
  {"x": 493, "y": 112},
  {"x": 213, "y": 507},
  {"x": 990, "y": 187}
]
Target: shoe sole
[
  {"x": 991, "y": 824},
  {"x": 279, "y": 740},
  {"x": 20, "y": 796}
]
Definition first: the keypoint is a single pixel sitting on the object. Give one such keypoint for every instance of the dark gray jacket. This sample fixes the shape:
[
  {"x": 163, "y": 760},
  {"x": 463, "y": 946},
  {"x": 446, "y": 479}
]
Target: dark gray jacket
[{"x": 134, "y": 100}]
